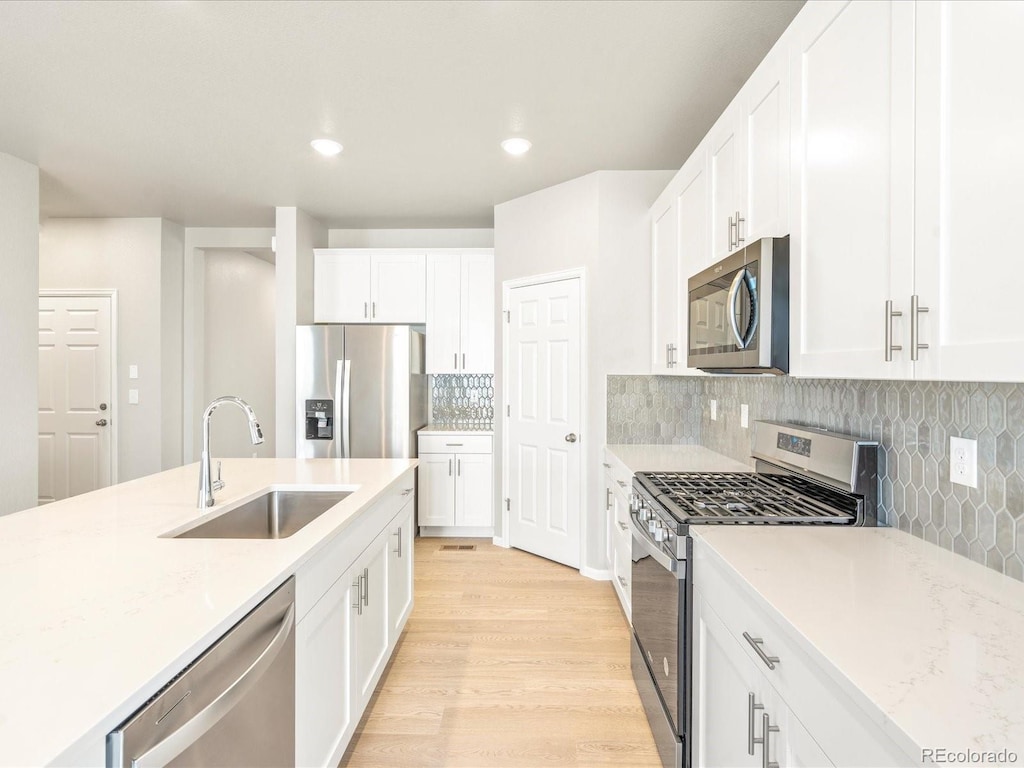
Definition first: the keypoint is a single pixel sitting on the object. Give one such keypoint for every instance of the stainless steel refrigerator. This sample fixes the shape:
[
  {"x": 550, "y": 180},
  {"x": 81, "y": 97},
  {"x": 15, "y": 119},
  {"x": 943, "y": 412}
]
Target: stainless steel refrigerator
[{"x": 361, "y": 391}]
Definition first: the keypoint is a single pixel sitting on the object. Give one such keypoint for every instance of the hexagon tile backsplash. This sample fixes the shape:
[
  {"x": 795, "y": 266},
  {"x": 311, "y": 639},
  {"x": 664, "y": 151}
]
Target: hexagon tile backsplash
[
  {"x": 465, "y": 401},
  {"x": 913, "y": 421}
]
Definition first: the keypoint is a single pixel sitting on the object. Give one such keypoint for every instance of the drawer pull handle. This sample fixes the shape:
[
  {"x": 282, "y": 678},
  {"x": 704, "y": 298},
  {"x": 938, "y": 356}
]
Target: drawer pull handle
[
  {"x": 622, "y": 525},
  {"x": 606, "y": 466},
  {"x": 623, "y": 582},
  {"x": 756, "y": 643},
  {"x": 621, "y": 484},
  {"x": 457, "y": 445}
]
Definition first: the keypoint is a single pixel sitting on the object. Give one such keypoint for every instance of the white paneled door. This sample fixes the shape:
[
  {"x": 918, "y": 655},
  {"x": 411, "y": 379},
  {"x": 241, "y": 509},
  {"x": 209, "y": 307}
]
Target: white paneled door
[
  {"x": 544, "y": 381},
  {"x": 75, "y": 404}
]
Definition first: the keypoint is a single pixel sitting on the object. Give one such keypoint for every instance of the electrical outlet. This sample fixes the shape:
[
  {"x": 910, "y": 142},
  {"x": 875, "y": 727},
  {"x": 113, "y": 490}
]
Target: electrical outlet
[
  {"x": 963, "y": 461},
  {"x": 745, "y": 416},
  {"x": 714, "y": 410}
]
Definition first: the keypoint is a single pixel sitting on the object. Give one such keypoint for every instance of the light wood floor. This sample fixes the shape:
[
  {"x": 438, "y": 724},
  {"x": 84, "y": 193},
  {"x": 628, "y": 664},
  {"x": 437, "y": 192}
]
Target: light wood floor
[{"x": 507, "y": 660}]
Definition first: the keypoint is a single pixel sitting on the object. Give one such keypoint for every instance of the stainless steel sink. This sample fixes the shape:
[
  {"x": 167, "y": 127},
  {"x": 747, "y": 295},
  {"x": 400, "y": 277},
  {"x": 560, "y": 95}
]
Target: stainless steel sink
[{"x": 274, "y": 515}]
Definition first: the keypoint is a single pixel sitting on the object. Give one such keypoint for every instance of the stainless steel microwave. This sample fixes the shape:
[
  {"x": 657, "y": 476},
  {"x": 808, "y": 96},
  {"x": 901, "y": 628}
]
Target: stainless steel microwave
[{"x": 739, "y": 311}]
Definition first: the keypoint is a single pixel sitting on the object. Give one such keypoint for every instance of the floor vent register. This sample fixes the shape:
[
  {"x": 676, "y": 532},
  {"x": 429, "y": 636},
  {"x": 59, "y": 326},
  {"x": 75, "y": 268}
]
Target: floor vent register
[{"x": 458, "y": 547}]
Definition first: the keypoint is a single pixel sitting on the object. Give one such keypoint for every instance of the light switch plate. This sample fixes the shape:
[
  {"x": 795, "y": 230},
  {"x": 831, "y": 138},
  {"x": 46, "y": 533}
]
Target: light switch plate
[
  {"x": 745, "y": 416},
  {"x": 133, "y": 371},
  {"x": 133, "y": 397},
  {"x": 963, "y": 461},
  {"x": 714, "y": 410}
]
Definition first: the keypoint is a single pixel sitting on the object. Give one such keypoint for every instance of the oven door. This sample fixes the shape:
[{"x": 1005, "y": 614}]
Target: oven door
[
  {"x": 659, "y": 588},
  {"x": 725, "y": 318}
]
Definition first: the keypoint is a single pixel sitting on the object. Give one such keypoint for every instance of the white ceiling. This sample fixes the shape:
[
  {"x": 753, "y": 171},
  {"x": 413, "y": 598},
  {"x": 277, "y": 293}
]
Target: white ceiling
[{"x": 202, "y": 112}]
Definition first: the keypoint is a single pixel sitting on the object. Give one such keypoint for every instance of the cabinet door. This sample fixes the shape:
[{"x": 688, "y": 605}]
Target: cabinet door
[
  {"x": 436, "y": 494},
  {"x": 793, "y": 746},
  {"x": 665, "y": 286},
  {"x": 724, "y": 680},
  {"x": 852, "y": 213},
  {"x": 369, "y": 577},
  {"x": 398, "y": 287},
  {"x": 477, "y": 313},
  {"x": 764, "y": 206},
  {"x": 969, "y": 166},
  {"x": 608, "y": 502},
  {"x": 724, "y": 163},
  {"x": 444, "y": 325},
  {"x": 400, "y": 572},
  {"x": 474, "y": 489},
  {"x": 323, "y": 707},
  {"x": 341, "y": 287}
]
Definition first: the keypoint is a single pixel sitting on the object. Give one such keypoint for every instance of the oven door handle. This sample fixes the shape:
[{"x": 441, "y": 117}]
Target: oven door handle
[{"x": 670, "y": 564}]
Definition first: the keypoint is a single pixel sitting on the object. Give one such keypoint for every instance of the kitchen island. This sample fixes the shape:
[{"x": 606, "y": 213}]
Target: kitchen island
[{"x": 100, "y": 611}]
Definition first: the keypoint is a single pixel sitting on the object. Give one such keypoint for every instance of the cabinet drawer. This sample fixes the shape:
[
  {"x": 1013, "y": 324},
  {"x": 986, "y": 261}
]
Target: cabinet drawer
[
  {"x": 833, "y": 718},
  {"x": 621, "y": 573},
  {"x": 455, "y": 443},
  {"x": 317, "y": 575},
  {"x": 623, "y": 477}
]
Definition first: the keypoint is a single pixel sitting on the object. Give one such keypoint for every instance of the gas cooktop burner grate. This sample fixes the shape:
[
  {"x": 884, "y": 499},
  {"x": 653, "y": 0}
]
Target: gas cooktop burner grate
[{"x": 742, "y": 497}]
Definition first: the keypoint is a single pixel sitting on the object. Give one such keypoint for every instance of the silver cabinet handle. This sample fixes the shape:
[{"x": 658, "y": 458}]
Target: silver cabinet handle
[
  {"x": 449, "y": 467},
  {"x": 739, "y": 220},
  {"x": 463, "y": 361},
  {"x": 571, "y": 437},
  {"x": 373, "y": 309},
  {"x": 756, "y": 643},
  {"x": 623, "y": 582},
  {"x": 357, "y": 585},
  {"x": 622, "y": 525},
  {"x": 767, "y": 729},
  {"x": 366, "y": 309},
  {"x": 165, "y": 751},
  {"x": 458, "y": 467},
  {"x": 366, "y": 586},
  {"x": 732, "y": 226},
  {"x": 455, "y": 360},
  {"x": 606, "y": 465},
  {"x": 621, "y": 484},
  {"x": 890, "y": 313},
  {"x": 454, "y": 445},
  {"x": 398, "y": 549},
  {"x": 916, "y": 310},
  {"x": 407, "y": 491},
  {"x": 752, "y": 707},
  {"x": 607, "y": 498}
]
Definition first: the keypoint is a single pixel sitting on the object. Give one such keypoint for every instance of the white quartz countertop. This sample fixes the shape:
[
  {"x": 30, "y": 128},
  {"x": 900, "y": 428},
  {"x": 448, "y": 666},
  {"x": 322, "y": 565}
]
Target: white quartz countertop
[
  {"x": 672, "y": 458},
  {"x": 930, "y": 644},
  {"x": 98, "y": 611},
  {"x": 431, "y": 429}
]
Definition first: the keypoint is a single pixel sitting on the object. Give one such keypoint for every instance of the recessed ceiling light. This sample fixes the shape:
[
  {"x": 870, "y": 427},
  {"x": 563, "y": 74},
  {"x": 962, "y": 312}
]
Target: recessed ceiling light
[
  {"x": 326, "y": 147},
  {"x": 516, "y": 146}
]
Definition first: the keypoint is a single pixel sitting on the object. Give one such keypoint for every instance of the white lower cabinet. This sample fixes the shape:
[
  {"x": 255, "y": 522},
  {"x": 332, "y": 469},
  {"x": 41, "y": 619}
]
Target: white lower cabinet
[
  {"x": 747, "y": 665},
  {"x": 400, "y": 575},
  {"x": 618, "y": 481},
  {"x": 456, "y": 486},
  {"x": 344, "y": 640}
]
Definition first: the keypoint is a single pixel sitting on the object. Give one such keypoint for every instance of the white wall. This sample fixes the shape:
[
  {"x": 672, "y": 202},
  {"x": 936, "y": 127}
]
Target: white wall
[
  {"x": 19, "y": 334},
  {"x": 197, "y": 240},
  {"x": 132, "y": 256},
  {"x": 239, "y": 340},
  {"x": 172, "y": 250},
  {"x": 297, "y": 235},
  {"x": 597, "y": 222},
  {"x": 410, "y": 238}
]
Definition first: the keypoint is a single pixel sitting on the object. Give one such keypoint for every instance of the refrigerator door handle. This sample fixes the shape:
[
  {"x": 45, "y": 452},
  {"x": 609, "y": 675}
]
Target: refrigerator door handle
[{"x": 341, "y": 405}]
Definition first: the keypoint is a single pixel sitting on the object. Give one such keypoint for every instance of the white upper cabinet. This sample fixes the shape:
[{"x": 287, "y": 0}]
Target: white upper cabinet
[
  {"x": 679, "y": 248},
  {"x": 460, "y": 312},
  {"x": 368, "y": 286},
  {"x": 852, "y": 203},
  {"x": 724, "y": 171},
  {"x": 969, "y": 164}
]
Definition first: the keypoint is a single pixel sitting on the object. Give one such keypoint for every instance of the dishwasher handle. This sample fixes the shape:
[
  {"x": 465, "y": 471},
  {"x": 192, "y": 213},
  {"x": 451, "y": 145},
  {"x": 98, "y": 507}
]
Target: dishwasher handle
[{"x": 190, "y": 732}]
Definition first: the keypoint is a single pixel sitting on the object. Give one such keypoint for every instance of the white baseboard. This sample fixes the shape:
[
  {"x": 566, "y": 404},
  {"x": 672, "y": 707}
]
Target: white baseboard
[
  {"x": 457, "y": 532},
  {"x": 597, "y": 574},
  {"x": 500, "y": 541}
]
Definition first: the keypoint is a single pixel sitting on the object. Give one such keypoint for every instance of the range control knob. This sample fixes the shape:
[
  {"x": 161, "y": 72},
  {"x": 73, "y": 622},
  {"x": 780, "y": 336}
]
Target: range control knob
[
  {"x": 653, "y": 525},
  {"x": 661, "y": 534}
]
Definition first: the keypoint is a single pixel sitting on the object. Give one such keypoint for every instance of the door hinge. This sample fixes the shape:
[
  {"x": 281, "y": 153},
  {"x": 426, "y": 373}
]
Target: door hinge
[{"x": 508, "y": 505}]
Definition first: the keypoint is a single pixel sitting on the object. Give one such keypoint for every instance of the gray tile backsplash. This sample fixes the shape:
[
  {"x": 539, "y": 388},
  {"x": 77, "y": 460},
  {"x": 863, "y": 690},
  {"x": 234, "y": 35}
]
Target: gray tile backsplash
[
  {"x": 913, "y": 421},
  {"x": 462, "y": 400}
]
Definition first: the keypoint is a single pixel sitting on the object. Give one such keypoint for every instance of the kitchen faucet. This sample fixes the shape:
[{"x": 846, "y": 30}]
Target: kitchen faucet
[{"x": 207, "y": 485}]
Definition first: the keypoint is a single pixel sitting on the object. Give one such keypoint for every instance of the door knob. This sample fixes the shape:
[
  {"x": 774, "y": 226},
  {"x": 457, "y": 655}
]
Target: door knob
[
  {"x": 101, "y": 422},
  {"x": 571, "y": 437}
]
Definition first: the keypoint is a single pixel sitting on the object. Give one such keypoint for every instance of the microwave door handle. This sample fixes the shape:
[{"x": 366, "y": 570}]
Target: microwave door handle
[{"x": 734, "y": 293}]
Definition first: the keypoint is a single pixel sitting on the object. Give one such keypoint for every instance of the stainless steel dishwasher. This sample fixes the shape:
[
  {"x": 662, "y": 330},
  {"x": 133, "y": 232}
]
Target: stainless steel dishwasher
[{"x": 233, "y": 706}]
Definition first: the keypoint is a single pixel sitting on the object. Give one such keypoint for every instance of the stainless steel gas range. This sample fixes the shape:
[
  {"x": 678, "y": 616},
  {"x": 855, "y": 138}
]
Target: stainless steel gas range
[{"x": 802, "y": 476}]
